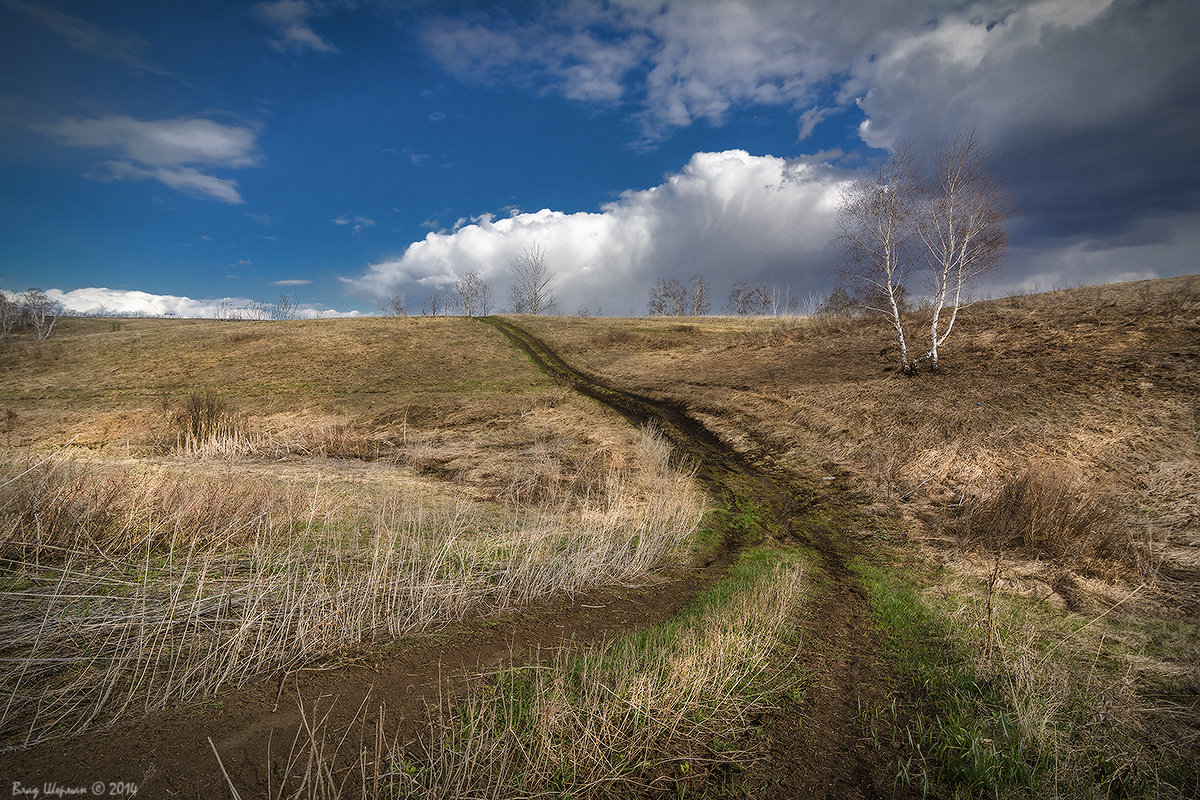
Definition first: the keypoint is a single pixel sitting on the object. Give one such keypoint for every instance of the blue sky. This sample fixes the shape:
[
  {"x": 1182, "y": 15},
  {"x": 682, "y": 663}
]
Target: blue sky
[{"x": 176, "y": 154}]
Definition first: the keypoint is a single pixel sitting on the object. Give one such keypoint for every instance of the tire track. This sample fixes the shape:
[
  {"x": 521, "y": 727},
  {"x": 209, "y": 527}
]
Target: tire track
[{"x": 817, "y": 747}]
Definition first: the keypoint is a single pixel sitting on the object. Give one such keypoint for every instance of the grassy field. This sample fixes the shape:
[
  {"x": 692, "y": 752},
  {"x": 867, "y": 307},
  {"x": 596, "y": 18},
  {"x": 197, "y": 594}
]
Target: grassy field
[{"x": 189, "y": 509}]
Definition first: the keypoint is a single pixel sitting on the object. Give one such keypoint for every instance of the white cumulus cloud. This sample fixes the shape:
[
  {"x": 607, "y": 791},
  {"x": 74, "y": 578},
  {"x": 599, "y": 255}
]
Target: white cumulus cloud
[
  {"x": 1090, "y": 106},
  {"x": 727, "y": 216}
]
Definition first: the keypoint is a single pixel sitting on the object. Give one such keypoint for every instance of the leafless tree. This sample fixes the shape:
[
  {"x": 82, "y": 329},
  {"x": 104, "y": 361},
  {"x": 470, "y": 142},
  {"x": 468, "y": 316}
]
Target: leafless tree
[
  {"x": 532, "y": 291},
  {"x": 10, "y": 315},
  {"x": 699, "y": 296},
  {"x": 840, "y": 304},
  {"x": 256, "y": 311},
  {"x": 875, "y": 233},
  {"x": 746, "y": 301},
  {"x": 668, "y": 297},
  {"x": 41, "y": 312},
  {"x": 394, "y": 305},
  {"x": 473, "y": 295},
  {"x": 283, "y": 307},
  {"x": 960, "y": 224},
  {"x": 656, "y": 305},
  {"x": 435, "y": 304}
]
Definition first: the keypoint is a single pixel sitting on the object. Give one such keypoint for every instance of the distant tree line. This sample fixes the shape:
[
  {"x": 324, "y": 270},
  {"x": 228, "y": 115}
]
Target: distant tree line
[
  {"x": 673, "y": 298},
  {"x": 532, "y": 291}
]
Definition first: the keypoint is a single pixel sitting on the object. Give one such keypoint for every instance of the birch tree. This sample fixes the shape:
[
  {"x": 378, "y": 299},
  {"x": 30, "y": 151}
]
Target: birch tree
[
  {"x": 10, "y": 315},
  {"x": 699, "y": 296},
  {"x": 960, "y": 225},
  {"x": 42, "y": 313},
  {"x": 875, "y": 233},
  {"x": 895, "y": 223}
]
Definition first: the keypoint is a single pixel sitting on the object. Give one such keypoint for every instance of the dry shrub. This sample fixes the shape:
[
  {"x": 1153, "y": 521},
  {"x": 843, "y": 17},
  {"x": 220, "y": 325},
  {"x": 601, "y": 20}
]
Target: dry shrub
[
  {"x": 204, "y": 420},
  {"x": 1046, "y": 510}
]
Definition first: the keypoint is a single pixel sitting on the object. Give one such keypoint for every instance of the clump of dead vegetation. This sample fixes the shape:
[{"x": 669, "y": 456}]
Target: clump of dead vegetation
[
  {"x": 1047, "y": 511},
  {"x": 203, "y": 424},
  {"x": 203, "y": 420}
]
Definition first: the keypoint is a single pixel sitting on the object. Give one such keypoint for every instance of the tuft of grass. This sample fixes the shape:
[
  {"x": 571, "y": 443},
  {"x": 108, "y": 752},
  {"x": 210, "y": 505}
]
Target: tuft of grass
[{"x": 205, "y": 420}]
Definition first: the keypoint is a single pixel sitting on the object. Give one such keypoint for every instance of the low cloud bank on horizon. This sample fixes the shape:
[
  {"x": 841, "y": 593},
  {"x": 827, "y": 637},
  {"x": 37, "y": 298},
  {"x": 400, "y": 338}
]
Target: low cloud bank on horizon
[{"x": 99, "y": 301}]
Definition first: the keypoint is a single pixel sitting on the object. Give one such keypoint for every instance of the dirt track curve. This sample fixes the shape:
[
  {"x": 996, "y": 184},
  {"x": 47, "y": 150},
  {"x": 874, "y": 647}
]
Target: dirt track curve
[{"x": 816, "y": 747}]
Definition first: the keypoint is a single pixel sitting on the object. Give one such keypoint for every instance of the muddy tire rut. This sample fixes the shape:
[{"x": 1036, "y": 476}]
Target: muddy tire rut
[{"x": 816, "y": 748}]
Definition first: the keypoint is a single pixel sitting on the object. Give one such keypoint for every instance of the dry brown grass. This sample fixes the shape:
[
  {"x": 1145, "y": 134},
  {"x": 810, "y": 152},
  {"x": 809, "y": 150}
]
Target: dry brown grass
[
  {"x": 382, "y": 377},
  {"x": 256, "y": 495},
  {"x": 1048, "y": 513},
  {"x": 124, "y": 593}
]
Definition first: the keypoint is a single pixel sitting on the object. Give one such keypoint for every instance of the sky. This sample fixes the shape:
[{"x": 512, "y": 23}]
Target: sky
[{"x": 166, "y": 157}]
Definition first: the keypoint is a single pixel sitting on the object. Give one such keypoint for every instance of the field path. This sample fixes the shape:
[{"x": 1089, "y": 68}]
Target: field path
[{"x": 818, "y": 748}]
